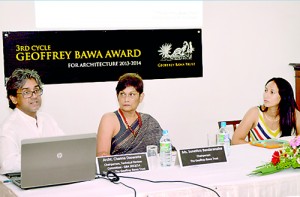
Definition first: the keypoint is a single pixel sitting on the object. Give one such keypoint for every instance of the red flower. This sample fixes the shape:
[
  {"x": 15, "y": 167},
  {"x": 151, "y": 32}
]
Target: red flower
[{"x": 275, "y": 158}]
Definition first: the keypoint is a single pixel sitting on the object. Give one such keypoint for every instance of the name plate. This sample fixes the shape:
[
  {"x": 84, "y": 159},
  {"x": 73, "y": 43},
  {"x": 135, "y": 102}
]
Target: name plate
[
  {"x": 122, "y": 163},
  {"x": 197, "y": 156}
]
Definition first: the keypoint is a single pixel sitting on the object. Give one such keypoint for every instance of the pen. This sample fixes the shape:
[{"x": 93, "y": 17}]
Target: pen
[{"x": 7, "y": 181}]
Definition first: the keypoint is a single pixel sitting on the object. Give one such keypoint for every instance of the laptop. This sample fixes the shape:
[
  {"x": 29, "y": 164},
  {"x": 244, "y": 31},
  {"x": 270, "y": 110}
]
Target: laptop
[{"x": 57, "y": 160}]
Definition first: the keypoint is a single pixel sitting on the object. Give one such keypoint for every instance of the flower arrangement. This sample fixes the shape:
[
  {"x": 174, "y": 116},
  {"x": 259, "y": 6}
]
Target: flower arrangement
[{"x": 288, "y": 156}]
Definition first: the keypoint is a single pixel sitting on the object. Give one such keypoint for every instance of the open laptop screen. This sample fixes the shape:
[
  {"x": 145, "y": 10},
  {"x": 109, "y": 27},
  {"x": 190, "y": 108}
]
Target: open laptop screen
[{"x": 58, "y": 160}]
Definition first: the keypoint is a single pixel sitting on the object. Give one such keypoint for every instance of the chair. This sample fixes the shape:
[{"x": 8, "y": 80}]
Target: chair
[{"x": 234, "y": 124}]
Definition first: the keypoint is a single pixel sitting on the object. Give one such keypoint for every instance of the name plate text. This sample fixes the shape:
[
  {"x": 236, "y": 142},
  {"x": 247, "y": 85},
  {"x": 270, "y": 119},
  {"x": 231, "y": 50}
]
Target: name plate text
[
  {"x": 122, "y": 163},
  {"x": 205, "y": 155}
]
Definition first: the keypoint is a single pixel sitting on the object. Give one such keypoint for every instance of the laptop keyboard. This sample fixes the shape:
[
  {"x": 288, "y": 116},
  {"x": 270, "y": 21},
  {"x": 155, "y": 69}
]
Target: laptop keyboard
[
  {"x": 18, "y": 181},
  {"x": 13, "y": 174}
]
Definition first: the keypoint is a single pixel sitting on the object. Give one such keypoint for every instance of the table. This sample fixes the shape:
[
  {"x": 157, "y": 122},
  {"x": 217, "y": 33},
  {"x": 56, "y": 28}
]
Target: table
[{"x": 228, "y": 179}]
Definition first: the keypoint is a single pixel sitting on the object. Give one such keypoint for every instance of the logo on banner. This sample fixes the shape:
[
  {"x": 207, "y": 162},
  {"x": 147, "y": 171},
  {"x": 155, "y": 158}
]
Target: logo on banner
[{"x": 181, "y": 53}]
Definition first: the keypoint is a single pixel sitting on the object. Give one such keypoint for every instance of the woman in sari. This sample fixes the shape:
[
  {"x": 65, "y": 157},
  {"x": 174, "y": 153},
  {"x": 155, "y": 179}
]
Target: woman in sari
[{"x": 125, "y": 130}]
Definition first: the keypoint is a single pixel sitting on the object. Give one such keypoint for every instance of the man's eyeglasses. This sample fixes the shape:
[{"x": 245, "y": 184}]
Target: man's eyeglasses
[{"x": 28, "y": 94}]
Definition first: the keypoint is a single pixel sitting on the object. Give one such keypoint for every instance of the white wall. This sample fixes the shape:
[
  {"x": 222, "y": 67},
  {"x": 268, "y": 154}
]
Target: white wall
[{"x": 244, "y": 45}]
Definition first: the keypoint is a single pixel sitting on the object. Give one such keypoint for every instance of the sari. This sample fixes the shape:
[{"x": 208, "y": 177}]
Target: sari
[{"x": 125, "y": 142}]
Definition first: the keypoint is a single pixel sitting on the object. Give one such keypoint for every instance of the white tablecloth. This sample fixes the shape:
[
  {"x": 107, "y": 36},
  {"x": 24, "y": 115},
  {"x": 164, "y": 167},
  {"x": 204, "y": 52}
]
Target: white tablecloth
[{"x": 228, "y": 179}]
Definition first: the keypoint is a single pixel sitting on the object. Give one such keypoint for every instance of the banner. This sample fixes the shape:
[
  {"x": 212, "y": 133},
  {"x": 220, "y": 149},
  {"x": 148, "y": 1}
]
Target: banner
[{"x": 95, "y": 56}]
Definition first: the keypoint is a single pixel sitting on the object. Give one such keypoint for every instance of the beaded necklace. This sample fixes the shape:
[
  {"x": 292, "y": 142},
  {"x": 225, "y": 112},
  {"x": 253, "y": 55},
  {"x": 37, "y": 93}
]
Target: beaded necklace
[{"x": 128, "y": 126}]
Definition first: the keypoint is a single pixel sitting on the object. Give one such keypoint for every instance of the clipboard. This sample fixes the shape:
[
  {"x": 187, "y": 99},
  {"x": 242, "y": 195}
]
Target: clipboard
[{"x": 269, "y": 143}]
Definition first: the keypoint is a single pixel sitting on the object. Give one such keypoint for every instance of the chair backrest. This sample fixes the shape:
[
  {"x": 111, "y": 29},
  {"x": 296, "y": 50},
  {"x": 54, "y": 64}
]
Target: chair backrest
[{"x": 234, "y": 123}]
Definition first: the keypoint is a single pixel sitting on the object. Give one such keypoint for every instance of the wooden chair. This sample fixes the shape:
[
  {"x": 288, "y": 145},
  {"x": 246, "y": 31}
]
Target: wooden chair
[{"x": 234, "y": 124}]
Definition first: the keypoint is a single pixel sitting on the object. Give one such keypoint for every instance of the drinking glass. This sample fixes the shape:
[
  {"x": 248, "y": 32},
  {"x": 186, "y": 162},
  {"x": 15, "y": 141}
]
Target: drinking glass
[
  {"x": 212, "y": 139},
  {"x": 152, "y": 154}
]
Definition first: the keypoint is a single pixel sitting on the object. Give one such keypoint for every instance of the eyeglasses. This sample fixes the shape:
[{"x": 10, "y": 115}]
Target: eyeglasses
[
  {"x": 131, "y": 95},
  {"x": 28, "y": 94}
]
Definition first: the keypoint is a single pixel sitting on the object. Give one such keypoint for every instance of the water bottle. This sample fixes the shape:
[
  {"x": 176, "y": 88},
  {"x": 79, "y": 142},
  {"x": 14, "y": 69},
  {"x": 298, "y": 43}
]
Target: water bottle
[
  {"x": 165, "y": 149},
  {"x": 224, "y": 138}
]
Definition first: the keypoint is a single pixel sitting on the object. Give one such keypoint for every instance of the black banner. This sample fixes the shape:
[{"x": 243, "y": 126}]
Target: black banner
[{"x": 93, "y": 55}]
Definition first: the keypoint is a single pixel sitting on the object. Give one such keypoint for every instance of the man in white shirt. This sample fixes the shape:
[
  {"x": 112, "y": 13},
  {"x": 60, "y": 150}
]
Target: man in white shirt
[{"x": 24, "y": 91}]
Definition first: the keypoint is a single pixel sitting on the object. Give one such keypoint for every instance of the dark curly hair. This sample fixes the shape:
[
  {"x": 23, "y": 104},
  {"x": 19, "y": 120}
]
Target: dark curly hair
[{"x": 17, "y": 80}]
